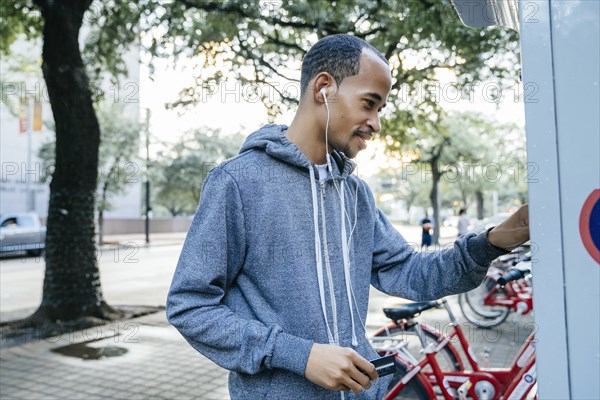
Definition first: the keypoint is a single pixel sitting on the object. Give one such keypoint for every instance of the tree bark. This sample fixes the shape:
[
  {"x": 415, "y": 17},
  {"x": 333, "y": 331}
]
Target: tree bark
[
  {"x": 72, "y": 287},
  {"x": 100, "y": 227},
  {"x": 480, "y": 209},
  {"x": 435, "y": 201},
  {"x": 102, "y": 207},
  {"x": 463, "y": 196},
  {"x": 409, "y": 200}
]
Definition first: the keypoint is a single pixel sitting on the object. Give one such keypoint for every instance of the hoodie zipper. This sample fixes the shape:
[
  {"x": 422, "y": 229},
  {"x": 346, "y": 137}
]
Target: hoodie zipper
[
  {"x": 336, "y": 336},
  {"x": 323, "y": 193}
]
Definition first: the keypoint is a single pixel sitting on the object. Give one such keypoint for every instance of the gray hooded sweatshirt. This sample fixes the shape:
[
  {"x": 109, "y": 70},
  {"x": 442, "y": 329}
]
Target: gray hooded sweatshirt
[{"x": 277, "y": 259}]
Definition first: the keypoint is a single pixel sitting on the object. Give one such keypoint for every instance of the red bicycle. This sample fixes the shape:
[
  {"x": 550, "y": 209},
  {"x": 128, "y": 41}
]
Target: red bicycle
[
  {"x": 427, "y": 379},
  {"x": 501, "y": 292}
]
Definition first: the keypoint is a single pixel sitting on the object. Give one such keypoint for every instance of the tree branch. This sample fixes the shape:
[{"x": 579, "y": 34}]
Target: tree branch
[
  {"x": 237, "y": 9},
  {"x": 390, "y": 50},
  {"x": 276, "y": 40},
  {"x": 412, "y": 72},
  {"x": 248, "y": 55},
  {"x": 258, "y": 80}
]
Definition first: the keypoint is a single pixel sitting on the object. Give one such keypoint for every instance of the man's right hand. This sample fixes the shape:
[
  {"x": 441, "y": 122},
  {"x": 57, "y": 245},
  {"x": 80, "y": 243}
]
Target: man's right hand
[{"x": 339, "y": 368}]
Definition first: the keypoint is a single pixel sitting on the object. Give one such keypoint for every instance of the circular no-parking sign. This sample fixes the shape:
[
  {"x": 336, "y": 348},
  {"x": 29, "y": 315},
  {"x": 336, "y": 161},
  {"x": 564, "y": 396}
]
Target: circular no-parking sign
[{"x": 589, "y": 224}]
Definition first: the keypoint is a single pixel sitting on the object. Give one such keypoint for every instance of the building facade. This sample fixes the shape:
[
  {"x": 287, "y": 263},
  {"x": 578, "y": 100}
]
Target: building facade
[{"x": 22, "y": 185}]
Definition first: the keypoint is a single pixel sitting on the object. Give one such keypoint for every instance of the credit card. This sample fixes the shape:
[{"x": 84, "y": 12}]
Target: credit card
[{"x": 385, "y": 365}]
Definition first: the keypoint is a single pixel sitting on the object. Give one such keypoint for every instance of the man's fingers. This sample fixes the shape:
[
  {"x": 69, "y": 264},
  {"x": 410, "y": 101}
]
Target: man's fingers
[
  {"x": 352, "y": 384},
  {"x": 362, "y": 379},
  {"x": 340, "y": 388},
  {"x": 524, "y": 215},
  {"x": 337, "y": 368},
  {"x": 366, "y": 367}
]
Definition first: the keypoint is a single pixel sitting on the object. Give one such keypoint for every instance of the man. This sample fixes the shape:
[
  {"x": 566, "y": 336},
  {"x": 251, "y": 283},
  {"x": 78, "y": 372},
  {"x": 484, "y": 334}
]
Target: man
[
  {"x": 426, "y": 228},
  {"x": 463, "y": 222},
  {"x": 273, "y": 279}
]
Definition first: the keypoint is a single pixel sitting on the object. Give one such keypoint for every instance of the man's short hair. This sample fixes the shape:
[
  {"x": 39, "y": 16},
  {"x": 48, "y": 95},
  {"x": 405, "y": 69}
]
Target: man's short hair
[{"x": 337, "y": 54}]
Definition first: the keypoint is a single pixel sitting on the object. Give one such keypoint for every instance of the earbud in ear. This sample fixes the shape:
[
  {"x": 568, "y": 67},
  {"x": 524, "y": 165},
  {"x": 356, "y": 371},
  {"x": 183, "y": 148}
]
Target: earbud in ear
[{"x": 324, "y": 93}]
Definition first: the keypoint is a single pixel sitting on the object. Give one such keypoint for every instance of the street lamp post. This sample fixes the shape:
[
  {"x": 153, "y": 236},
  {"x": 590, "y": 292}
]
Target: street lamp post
[{"x": 147, "y": 182}]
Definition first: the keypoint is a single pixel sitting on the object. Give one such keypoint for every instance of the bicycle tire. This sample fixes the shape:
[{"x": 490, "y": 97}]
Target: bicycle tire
[
  {"x": 446, "y": 358},
  {"x": 414, "y": 390},
  {"x": 472, "y": 307}
]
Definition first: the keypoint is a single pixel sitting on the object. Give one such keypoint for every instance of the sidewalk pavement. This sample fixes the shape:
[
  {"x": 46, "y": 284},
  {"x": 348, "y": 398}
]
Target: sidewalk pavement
[
  {"x": 146, "y": 358},
  {"x": 157, "y": 364}
]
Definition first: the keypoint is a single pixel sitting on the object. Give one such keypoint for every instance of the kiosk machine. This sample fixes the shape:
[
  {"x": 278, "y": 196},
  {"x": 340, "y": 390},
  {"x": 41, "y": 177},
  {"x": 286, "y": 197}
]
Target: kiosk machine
[{"x": 560, "y": 54}]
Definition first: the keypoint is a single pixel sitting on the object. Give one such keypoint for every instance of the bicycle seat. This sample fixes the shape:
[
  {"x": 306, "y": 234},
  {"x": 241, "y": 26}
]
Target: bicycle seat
[{"x": 409, "y": 310}]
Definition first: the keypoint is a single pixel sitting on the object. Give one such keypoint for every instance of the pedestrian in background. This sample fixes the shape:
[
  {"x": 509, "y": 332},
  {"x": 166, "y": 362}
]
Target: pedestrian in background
[
  {"x": 463, "y": 222},
  {"x": 427, "y": 227}
]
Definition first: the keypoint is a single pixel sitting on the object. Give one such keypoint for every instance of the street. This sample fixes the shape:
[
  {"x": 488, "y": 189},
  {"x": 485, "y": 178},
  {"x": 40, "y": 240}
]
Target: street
[{"x": 132, "y": 275}]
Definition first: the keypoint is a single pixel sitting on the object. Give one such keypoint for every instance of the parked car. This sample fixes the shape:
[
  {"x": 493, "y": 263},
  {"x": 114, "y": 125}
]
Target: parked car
[{"x": 22, "y": 232}]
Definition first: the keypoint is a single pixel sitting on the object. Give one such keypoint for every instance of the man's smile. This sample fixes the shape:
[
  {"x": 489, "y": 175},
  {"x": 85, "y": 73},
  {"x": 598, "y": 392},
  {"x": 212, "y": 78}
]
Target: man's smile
[{"x": 363, "y": 137}]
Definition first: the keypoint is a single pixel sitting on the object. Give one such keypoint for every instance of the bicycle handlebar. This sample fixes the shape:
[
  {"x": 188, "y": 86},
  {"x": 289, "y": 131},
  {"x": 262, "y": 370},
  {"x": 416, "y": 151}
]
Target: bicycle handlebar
[{"x": 512, "y": 275}]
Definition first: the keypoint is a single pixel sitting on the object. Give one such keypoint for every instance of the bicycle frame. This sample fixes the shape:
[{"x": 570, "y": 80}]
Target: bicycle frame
[
  {"x": 518, "y": 297},
  {"x": 514, "y": 382},
  {"x": 379, "y": 337}
]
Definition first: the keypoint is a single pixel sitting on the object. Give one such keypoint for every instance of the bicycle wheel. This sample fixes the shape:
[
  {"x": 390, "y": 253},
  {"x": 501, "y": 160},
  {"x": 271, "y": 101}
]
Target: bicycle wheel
[
  {"x": 447, "y": 359},
  {"x": 475, "y": 311},
  {"x": 414, "y": 390}
]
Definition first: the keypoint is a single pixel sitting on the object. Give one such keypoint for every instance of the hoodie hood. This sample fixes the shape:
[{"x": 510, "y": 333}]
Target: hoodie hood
[{"x": 271, "y": 140}]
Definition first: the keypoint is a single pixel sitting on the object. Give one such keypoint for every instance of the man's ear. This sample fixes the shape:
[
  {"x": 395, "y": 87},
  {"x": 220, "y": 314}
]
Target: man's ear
[{"x": 323, "y": 81}]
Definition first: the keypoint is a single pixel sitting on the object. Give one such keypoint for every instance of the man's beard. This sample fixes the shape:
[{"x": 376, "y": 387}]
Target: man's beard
[{"x": 347, "y": 148}]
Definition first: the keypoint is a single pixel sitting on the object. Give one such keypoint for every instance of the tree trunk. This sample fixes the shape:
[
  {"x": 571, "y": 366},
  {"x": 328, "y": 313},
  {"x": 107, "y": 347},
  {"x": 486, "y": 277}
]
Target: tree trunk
[
  {"x": 435, "y": 202},
  {"x": 408, "y": 202},
  {"x": 480, "y": 209},
  {"x": 102, "y": 207},
  {"x": 72, "y": 287},
  {"x": 100, "y": 228},
  {"x": 463, "y": 197}
]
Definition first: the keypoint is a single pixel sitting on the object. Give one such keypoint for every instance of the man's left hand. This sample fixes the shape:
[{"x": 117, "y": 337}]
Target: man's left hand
[{"x": 513, "y": 231}]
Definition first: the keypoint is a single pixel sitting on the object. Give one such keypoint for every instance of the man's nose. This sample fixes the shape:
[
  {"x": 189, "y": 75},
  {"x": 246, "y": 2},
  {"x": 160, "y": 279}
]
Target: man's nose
[{"x": 374, "y": 123}]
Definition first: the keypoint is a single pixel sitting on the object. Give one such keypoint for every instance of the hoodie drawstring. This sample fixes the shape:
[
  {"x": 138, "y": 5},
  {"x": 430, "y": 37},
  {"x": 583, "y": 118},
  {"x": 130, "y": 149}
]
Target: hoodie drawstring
[
  {"x": 346, "y": 258},
  {"x": 318, "y": 252},
  {"x": 333, "y": 339},
  {"x": 336, "y": 335}
]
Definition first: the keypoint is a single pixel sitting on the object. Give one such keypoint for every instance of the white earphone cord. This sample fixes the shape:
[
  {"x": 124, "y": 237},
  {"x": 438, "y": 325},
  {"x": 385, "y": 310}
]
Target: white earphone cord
[
  {"x": 349, "y": 241},
  {"x": 324, "y": 93}
]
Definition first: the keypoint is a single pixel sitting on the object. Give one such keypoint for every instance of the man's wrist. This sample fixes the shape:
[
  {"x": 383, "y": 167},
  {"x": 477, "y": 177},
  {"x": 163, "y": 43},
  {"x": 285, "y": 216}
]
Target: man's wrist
[
  {"x": 491, "y": 237},
  {"x": 481, "y": 250}
]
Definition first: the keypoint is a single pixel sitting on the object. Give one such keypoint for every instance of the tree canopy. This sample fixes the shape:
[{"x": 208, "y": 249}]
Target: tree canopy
[
  {"x": 258, "y": 44},
  {"x": 261, "y": 44},
  {"x": 180, "y": 172}
]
